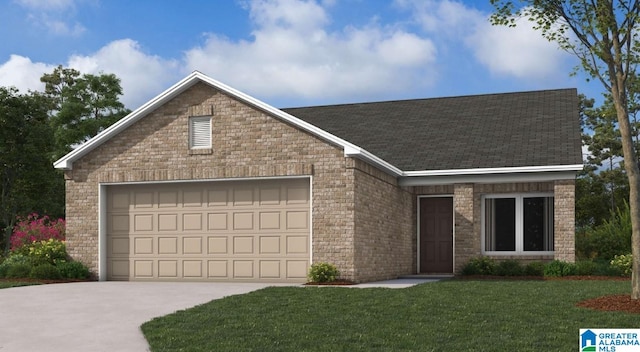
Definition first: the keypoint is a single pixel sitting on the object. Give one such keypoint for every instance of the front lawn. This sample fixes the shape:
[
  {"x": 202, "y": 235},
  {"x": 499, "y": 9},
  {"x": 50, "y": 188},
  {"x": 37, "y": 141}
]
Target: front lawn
[
  {"x": 18, "y": 283},
  {"x": 456, "y": 315}
]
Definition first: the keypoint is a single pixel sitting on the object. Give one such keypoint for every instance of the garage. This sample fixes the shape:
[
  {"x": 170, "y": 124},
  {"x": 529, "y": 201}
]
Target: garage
[{"x": 250, "y": 230}]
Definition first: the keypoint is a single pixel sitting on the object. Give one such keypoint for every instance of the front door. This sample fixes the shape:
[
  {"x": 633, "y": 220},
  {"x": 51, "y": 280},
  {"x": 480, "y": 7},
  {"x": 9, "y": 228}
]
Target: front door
[{"x": 436, "y": 235}]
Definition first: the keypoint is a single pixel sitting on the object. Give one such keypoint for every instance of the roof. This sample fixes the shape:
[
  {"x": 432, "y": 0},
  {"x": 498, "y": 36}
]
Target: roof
[
  {"x": 474, "y": 135},
  {"x": 512, "y": 130}
]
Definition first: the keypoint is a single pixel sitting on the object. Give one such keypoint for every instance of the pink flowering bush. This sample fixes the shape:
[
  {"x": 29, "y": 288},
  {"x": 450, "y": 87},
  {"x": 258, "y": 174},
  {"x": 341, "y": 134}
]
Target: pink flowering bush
[{"x": 36, "y": 228}]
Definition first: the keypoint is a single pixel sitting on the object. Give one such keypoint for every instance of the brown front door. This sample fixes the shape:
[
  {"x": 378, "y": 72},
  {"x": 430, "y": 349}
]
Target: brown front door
[{"x": 436, "y": 235}]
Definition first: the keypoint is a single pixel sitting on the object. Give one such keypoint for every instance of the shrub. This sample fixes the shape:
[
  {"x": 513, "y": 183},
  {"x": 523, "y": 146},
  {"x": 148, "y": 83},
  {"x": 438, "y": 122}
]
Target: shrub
[
  {"x": 19, "y": 271},
  {"x": 586, "y": 267},
  {"x": 35, "y": 228},
  {"x": 534, "y": 269},
  {"x": 323, "y": 272},
  {"x": 479, "y": 266},
  {"x": 73, "y": 270},
  {"x": 623, "y": 264},
  {"x": 48, "y": 251},
  {"x": 509, "y": 267},
  {"x": 609, "y": 239},
  {"x": 45, "y": 272},
  {"x": 11, "y": 261},
  {"x": 558, "y": 268}
]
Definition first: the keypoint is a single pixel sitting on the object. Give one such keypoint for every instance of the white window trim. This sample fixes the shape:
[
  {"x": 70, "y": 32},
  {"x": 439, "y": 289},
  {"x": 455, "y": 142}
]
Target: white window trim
[
  {"x": 202, "y": 119},
  {"x": 519, "y": 224}
]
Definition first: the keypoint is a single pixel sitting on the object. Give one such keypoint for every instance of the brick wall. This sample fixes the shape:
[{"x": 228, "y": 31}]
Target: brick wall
[
  {"x": 468, "y": 216},
  {"x": 246, "y": 143},
  {"x": 384, "y": 226}
]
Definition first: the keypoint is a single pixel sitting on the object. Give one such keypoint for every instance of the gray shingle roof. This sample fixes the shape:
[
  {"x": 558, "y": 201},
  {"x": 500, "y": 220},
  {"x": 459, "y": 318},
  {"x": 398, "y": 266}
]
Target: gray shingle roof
[{"x": 537, "y": 128}]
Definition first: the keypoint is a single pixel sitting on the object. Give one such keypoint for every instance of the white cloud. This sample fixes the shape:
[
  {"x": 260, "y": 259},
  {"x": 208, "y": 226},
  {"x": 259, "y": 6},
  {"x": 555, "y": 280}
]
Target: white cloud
[
  {"x": 521, "y": 51},
  {"x": 292, "y": 53},
  {"x": 22, "y": 73},
  {"x": 142, "y": 76},
  {"x": 56, "y": 16}
]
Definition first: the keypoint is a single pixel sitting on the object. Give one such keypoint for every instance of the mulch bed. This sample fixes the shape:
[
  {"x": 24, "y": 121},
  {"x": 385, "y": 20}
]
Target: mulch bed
[
  {"x": 332, "y": 283},
  {"x": 613, "y": 303},
  {"x": 46, "y": 281}
]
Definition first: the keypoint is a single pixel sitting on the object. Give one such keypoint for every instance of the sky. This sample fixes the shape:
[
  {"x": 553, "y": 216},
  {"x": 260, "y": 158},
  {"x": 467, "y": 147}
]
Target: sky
[{"x": 287, "y": 53}]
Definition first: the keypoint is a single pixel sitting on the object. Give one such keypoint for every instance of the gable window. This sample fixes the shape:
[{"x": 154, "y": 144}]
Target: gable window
[
  {"x": 517, "y": 224},
  {"x": 200, "y": 132}
]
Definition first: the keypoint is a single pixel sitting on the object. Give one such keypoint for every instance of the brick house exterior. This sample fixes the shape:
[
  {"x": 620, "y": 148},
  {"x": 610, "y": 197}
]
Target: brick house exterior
[{"x": 364, "y": 207}]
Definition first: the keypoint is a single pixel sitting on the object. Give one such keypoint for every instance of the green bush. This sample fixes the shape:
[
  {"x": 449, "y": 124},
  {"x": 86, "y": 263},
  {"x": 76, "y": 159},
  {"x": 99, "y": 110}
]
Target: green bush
[
  {"x": 45, "y": 272},
  {"x": 73, "y": 270},
  {"x": 558, "y": 268},
  {"x": 534, "y": 269},
  {"x": 607, "y": 240},
  {"x": 19, "y": 271},
  {"x": 479, "y": 266},
  {"x": 323, "y": 272},
  {"x": 586, "y": 267},
  {"x": 623, "y": 264},
  {"x": 509, "y": 267},
  {"x": 48, "y": 251},
  {"x": 11, "y": 261}
]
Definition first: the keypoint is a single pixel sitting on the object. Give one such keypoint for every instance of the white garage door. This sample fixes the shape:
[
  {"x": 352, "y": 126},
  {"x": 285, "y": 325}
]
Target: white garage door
[{"x": 231, "y": 230}]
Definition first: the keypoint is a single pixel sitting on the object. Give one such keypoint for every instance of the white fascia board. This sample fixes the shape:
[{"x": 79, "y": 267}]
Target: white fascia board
[
  {"x": 66, "y": 162},
  {"x": 351, "y": 150},
  {"x": 497, "y": 170},
  {"x": 502, "y": 175}
]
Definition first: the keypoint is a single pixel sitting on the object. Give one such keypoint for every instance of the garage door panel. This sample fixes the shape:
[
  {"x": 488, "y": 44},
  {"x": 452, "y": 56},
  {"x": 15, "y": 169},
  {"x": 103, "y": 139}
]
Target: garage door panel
[
  {"x": 218, "y": 245},
  {"x": 220, "y": 231},
  {"x": 243, "y": 221},
  {"x": 168, "y": 222},
  {"x": 218, "y": 221},
  {"x": 168, "y": 245}
]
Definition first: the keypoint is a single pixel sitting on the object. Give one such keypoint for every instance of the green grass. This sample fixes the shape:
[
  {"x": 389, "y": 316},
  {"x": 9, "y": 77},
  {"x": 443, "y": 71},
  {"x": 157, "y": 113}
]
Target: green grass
[
  {"x": 456, "y": 315},
  {"x": 9, "y": 284}
]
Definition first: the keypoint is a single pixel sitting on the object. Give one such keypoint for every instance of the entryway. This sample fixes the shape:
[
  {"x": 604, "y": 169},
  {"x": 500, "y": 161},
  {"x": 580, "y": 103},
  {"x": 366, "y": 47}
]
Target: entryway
[{"x": 436, "y": 235}]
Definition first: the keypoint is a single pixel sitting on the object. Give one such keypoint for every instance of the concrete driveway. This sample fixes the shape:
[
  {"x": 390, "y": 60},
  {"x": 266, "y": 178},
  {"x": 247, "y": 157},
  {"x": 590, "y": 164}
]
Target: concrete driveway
[{"x": 97, "y": 316}]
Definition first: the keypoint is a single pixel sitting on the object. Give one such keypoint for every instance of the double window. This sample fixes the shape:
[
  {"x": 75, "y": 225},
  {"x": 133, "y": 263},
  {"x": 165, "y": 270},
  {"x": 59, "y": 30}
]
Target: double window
[{"x": 517, "y": 224}]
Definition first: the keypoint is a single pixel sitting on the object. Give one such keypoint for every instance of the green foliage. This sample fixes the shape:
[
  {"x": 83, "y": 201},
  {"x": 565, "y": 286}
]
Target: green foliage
[
  {"x": 479, "y": 266},
  {"x": 73, "y": 270},
  {"x": 45, "y": 271},
  {"x": 509, "y": 267},
  {"x": 19, "y": 271},
  {"x": 323, "y": 272},
  {"x": 11, "y": 261},
  {"x": 29, "y": 181},
  {"x": 534, "y": 269},
  {"x": 47, "y": 251},
  {"x": 559, "y": 268},
  {"x": 84, "y": 105},
  {"x": 609, "y": 239},
  {"x": 586, "y": 267},
  {"x": 623, "y": 264}
]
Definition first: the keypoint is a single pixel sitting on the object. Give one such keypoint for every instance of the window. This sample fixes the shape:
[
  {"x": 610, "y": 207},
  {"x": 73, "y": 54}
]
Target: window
[
  {"x": 518, "y": 224},
  {"x": 200, "y": 132}
]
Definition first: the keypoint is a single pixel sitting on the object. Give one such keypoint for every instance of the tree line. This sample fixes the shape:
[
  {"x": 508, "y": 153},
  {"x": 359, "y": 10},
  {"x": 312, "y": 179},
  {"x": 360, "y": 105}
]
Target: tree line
[{"x": 37, "y": 128}]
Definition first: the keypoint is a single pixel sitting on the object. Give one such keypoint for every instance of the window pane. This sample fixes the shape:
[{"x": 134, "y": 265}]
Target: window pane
[
  {"x": 500, "y": 224},
  {"x": 538, "y": 224}
]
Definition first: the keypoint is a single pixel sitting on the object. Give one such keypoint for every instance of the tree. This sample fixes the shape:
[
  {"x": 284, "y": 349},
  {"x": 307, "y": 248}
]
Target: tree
[
  {"x": 27, "y": 177},
  {"x": 602, "y": 34},
  {"x": 83, "y": 105}
]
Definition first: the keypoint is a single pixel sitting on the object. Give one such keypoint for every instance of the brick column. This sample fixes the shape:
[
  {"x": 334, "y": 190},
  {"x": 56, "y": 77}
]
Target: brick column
[
  {"x": 467, "y": 242},
  {"x": 564, "y": 220}
]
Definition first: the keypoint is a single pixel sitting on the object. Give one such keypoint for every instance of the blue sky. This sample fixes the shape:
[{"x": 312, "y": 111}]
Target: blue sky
[{"x": 285, "y": 52}]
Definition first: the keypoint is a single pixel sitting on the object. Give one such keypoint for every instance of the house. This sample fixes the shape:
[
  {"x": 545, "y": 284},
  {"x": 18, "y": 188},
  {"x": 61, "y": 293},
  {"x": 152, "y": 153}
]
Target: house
[{"x": 204, "y": 182}]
